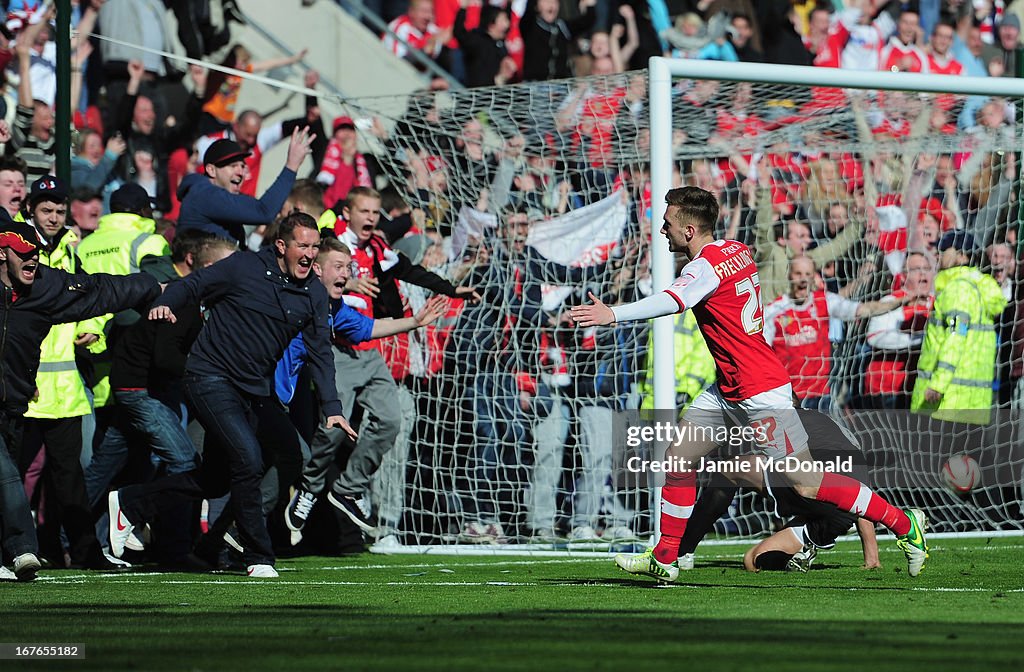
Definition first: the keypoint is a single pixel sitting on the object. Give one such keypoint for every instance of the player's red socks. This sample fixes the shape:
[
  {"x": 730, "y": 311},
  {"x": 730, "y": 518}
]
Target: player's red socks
[
  {"x": 677, "y": 499},
  {"x": 851, "y": 495}
]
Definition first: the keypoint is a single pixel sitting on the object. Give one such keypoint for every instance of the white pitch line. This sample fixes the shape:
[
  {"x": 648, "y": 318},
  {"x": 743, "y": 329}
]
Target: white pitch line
[
  {"x": 492, "y": 563},
  {"x": 241, "y": 581}
]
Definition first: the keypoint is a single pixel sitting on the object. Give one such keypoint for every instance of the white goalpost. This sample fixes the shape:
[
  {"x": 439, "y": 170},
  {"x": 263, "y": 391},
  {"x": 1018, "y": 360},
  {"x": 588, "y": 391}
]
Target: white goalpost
[{"x": 664, "y": 74}]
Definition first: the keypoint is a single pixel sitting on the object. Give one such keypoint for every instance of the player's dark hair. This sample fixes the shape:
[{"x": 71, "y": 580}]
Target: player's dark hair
[
  {"x": 188, "y": 242},
  {"x": 697, "y": 206},
  {"x": 772, "y": 561},
  {"x": 295, "y": 220}
]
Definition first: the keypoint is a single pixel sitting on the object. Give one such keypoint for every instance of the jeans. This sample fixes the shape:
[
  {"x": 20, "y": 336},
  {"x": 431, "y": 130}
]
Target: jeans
[
  {"x": 226, "y": 414},
  {"x": 142, "y": 417},
  {"x": 494, "y": 473},
  {"x": 16, "y": 526},
  {"x": 161, "y": 426},
  {"x": 108, "y": 459}
]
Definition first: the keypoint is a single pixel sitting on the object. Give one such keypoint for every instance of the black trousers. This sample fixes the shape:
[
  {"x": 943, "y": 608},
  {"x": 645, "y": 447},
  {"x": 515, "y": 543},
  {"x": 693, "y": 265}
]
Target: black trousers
[{"x": 68, "y": 504}]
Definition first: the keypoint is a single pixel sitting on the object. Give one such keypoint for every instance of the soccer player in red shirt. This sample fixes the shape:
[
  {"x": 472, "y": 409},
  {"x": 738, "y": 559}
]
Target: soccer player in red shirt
[{"x": 721, "y": 286}]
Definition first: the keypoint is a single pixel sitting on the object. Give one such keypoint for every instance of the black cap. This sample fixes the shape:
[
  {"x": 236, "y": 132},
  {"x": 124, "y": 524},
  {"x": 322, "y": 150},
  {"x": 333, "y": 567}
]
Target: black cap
[
  {"x": 130, "y": 198},
  {"x": 48, "y": 188},
  {"x": 958, "y": 240},
  {"x": 17, "y": 236},
  {"x": 223, "y": 152}
]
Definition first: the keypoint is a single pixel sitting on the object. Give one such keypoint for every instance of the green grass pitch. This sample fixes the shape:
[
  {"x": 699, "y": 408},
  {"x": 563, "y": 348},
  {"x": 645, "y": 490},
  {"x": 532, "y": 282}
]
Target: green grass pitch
[{"x": 965, "y": 612}]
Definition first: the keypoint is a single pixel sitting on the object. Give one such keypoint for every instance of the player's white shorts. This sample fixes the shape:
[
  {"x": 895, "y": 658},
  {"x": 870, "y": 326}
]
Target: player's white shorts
[{"x": 771, "y": 415}]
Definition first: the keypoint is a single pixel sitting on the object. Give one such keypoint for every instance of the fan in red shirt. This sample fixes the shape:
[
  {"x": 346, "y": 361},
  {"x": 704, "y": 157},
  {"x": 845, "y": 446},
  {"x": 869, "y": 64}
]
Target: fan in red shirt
[
  {"x": 902, "y": 54},
  {"x": 796, "y": 325},
  {"x": 721, "y": 286},
  {"x": 895, "y": 337}
]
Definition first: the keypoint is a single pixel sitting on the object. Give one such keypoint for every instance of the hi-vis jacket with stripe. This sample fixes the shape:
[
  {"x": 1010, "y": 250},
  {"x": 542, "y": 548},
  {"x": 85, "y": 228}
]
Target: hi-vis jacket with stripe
[
  {"x": 61, "y": 390},
  {"x": 695, "y": 367},
  {"x": 958, "y": 356},
  {"x": 117, "y": 246}
]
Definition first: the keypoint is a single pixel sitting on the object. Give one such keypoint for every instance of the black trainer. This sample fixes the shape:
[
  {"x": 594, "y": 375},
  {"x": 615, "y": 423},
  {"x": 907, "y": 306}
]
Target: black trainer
[
  {"x": 352, "y": 508},
  {"x": 297, "y": 511}
]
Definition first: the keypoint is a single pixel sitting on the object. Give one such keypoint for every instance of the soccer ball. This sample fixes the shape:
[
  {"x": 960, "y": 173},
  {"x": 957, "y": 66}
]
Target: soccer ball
[{"x": 961, "y": 474}]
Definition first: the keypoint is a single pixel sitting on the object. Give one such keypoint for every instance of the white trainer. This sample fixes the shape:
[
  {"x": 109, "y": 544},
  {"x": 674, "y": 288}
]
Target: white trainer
[
  {"x": 25, "y": 567},
  {"x": 386, "y": 544},
  {"x": 685, "y": 561},
  {"x": 120, "y": 527},
  {"x": 583, "y": 533},
  {"x": 261, "y": 572},
  {"x": 619, "y": 534}
]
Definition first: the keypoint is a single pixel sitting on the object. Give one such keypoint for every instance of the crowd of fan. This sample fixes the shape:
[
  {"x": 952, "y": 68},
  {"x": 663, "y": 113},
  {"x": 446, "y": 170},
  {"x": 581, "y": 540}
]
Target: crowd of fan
[
  {"x": 501, "y": 377},
  {"x": 493, "y": 43}
]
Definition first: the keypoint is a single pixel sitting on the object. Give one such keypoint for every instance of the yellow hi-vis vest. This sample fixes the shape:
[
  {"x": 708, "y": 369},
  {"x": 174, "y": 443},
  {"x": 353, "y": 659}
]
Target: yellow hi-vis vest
[
  {"x": 61, "y": 389},
  {"x": 117, "y": 246},
  {"x": 958, "y": 356},
  {"x": 695, "y": 367}
]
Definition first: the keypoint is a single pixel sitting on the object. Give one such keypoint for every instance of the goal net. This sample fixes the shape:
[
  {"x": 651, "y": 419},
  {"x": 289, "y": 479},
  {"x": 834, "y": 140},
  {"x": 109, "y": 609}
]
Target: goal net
[{"x": 542, "y": 193}]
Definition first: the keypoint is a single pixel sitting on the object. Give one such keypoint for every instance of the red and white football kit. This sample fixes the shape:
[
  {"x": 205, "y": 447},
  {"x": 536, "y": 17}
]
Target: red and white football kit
[{"x": 721, "y": 286}]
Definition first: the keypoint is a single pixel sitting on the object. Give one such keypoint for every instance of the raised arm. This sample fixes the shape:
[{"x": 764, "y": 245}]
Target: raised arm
[
  {"x": 431, "y": 312},
  {"x": 208, "y": 285},
  {"x": 284, "y": 61}
]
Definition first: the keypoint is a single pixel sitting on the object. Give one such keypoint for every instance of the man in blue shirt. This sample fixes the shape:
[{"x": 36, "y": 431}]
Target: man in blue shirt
[{"x": 334, "y": 266}]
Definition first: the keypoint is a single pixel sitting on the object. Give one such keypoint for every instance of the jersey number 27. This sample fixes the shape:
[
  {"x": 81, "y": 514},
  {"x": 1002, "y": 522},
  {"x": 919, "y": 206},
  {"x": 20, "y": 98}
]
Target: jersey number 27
[{"x": 752, "y": 314}]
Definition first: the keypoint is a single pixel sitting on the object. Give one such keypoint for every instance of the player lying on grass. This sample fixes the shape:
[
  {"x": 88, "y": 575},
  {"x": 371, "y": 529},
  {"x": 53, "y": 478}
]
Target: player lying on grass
[
  {"x": 814, "y": 525},
  {"x": 721, "y": 286}
]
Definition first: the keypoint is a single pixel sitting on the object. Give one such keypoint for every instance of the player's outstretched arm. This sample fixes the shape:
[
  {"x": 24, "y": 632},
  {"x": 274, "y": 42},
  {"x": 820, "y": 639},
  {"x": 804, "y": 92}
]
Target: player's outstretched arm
[
  {"x": 592, "y": 314},
  {"x": 598, "y": 313}
]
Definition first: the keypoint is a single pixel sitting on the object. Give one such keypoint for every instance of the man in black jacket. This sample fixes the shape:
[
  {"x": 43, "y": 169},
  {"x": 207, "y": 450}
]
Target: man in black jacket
[
  {"x": 148, "y": 361},
  {"x": 259, "y": 302},
  {"x": 547, "y": 39},
  {"x": 34, "y": 299},
  {"x": 483, "y": 48}
]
